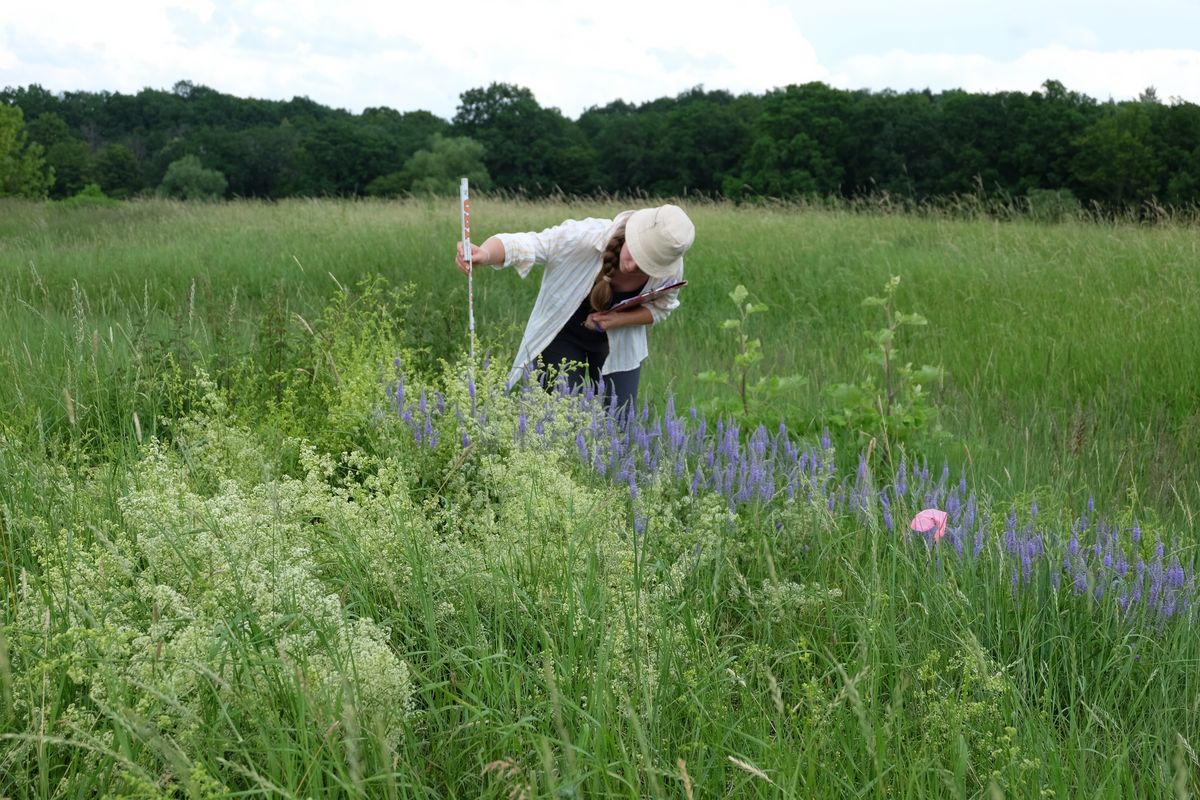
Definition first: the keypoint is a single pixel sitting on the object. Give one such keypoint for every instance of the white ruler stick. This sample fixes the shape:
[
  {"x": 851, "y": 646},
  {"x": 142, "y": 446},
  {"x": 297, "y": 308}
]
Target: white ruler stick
[{"x": 464, "y": 202}]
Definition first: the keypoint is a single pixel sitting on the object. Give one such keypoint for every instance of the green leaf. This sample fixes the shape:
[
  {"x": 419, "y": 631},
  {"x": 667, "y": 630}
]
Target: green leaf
[
  {"x": 774, "y": 383},
  {"x": 874, "y": 301},
  {"x": 928, "y": 374},
  {"x": 731, "y": 324},
  {"x": 708, "y": 376},
  {"x": 738, "y": 295},
  {"x": 911, "y": 319},
  {"x": 755, "y": 308},
  {"x": 748, "y": 358},
  {"x": 846, "y": 395}
]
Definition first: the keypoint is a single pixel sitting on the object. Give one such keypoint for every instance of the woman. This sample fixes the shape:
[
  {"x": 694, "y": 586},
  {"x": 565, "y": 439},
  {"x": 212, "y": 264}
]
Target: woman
[{"x": 591, "y": 264}]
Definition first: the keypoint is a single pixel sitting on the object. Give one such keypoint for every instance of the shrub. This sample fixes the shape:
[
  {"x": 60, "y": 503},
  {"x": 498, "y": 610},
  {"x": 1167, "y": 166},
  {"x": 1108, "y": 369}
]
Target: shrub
[
  {"x": 90, "y": 196},
  {"x": 1052, "y": 205},
  {"x": 188, "y": 179}
]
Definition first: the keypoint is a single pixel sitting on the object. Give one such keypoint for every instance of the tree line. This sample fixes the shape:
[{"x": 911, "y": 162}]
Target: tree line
[{"x": 1048, "y": 146}]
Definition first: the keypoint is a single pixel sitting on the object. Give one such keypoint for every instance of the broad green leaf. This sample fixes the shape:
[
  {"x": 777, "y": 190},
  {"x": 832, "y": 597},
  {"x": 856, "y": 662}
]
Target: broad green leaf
[
  {"x": 911, "y": 319},
  {"x": 775, "y": 383},
  {"x": 739, "y": 294},
  {"x": 928, "y": 374},
  {"x": 846, "y": 394}
]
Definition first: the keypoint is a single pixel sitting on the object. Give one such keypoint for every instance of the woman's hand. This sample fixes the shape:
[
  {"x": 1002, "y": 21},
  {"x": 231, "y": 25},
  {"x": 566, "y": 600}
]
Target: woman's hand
[
  {"x": 607, "y": 320},
  {"x": 489, "y": 253},
  {"x": 477, "y": 256},
  {"x": 602, "y": 321}
]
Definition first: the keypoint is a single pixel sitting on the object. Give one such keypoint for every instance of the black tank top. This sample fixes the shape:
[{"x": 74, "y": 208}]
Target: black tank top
[{"x": 592, "y": 341}]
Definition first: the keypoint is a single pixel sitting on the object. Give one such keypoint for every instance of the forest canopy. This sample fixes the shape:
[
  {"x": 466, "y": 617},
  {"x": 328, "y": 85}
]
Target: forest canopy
[{"x": 1051, "y": 146}]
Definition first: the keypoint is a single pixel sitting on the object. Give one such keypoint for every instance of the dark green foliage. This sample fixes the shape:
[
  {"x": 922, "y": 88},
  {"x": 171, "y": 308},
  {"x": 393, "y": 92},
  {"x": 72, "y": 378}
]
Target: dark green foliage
[
  {"x": 966, "y": 150},
  {"x": 116, "y": 171},
  {"x": 436, "y": 170},
  {"x": 1116, "y": 164},
  {"x": 528, "y": 148},
  {"x": 187, "y": 179},
  {"x": 71, "y": 160}
]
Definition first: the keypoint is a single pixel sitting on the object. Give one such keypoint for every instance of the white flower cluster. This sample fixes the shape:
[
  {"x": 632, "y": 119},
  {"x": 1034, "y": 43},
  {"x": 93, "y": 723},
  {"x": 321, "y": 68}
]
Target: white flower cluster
[
  {"x": 782, "y": 599},
  {"x": 212, "y": 591}
]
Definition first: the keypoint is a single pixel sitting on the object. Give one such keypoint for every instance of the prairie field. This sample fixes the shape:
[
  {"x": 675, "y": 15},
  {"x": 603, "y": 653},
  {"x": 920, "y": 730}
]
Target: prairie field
[{"x": 266, "y": 530}]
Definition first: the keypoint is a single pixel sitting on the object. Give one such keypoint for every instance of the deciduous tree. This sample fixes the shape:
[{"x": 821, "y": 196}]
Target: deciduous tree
[
  {"x": 23, "y": 171},
  {"x": 188, "y": 179},
  {"x": 437, "y": 170}
]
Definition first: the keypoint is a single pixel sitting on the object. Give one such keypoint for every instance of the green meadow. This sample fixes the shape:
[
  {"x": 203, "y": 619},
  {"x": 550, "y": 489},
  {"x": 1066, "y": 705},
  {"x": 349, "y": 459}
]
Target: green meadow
[{"x": 264, "y": 531}]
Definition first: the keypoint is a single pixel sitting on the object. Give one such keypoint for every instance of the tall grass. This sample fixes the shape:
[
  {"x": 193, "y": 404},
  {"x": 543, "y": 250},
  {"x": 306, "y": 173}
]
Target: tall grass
[
  {"x": 1065, "y": 344},
  {"x": 246, "y": 554}
]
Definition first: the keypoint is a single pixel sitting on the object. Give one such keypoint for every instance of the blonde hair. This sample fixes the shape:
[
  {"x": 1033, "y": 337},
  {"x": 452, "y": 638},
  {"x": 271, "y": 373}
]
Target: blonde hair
[{"x": 601, "y": 295}]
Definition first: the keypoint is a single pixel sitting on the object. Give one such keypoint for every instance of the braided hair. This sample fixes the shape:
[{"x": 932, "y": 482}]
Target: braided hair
[{"x": 601, "y": 296}]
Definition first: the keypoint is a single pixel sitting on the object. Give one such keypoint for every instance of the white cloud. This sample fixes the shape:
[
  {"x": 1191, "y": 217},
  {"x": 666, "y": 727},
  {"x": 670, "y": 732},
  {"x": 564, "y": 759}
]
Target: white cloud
[
  {"x": 359, "y": 53},
  {"x": 8, "y": 59},
  {"x": 1120, "y": 74},
  {"x": 574, "y": 56}
]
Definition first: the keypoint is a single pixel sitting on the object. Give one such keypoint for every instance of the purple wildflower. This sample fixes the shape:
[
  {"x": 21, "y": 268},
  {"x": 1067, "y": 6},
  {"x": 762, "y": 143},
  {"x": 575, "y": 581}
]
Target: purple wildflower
[
  {"x": 1175, "y": 575},
  {"x": 1080, "y": 578}
]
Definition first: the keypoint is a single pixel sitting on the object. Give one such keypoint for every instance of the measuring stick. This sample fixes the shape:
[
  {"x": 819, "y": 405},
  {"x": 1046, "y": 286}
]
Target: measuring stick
[{"x": 464, "y": 202}]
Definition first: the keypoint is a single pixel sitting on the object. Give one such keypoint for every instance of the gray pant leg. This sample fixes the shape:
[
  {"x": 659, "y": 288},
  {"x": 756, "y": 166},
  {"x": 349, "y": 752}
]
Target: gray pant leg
[{"x": 622, "y": 387}]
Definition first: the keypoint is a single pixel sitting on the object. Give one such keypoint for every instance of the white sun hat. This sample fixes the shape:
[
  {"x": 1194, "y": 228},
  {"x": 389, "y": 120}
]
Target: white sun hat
[{"x": 658, "y": 238}]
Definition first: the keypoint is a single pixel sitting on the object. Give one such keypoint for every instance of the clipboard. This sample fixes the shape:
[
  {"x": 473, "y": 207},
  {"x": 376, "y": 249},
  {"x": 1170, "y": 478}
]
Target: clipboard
[{"x": 645, "y": 297}]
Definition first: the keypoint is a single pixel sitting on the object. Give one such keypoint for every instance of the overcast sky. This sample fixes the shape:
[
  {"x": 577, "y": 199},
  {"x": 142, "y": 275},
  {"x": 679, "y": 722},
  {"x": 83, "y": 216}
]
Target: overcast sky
[{"x": 422, "y": 55}]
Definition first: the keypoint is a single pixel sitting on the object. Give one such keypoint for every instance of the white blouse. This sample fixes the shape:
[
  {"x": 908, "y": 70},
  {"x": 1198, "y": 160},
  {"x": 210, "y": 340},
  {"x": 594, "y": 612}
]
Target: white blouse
[{"x": 572, "y": 254}]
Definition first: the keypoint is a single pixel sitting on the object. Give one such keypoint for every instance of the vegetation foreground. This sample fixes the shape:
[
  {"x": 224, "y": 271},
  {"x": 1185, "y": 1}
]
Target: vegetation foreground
[{"x": 267, "y": 533}]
